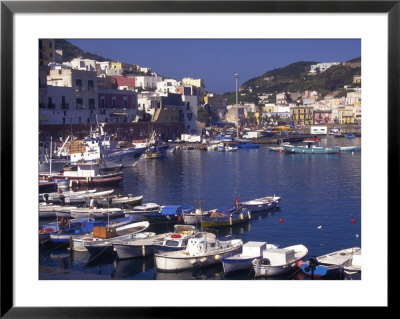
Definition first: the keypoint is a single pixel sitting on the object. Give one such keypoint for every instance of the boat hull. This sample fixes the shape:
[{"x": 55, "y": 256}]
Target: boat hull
[
  {"x": 237, "y": 264},
  {"x": 125, "y": 251},
  {"x": 169, "y": 263}
]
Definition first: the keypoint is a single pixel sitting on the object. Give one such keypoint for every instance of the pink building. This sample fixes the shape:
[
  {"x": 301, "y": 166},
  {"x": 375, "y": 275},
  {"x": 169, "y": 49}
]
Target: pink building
[
  {"x": 117, "y": 99},
  {"x": 323, "y": 117}
]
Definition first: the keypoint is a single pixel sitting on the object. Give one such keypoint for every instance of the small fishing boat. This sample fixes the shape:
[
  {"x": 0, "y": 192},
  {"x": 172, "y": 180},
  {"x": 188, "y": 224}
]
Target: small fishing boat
[
  {"x": 126, "y": 201},
  {"x": 66, "y": 229},
  {"x": 178, "y": 239},
  {"x": 352, "y": 271},
  {"x": 97, "y": 213},
  {"x": 105, "y": 247},
  {"x": 193, "y": 216},
  {"x": 279, "y": 261},
  {"x": 243, "y": 260},
  {"x": 138, "y": 247},
  {"x": 221, "y": 147},
  {"x": 168, "y": 213},
  {"x": 51, "y": 210},
  {"x": 203, "y": 249},
  {"x": 328, "y": 264},
  {"x": 260, "y": 204},
  {"x": 122, "y": 229},
  {"x": 225, "y": 217},
  {"x": 142, "y": 210}
]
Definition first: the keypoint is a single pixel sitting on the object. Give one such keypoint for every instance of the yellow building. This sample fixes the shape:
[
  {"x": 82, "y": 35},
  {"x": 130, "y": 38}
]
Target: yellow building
[
  {"x": 345, "y": 115},
  {"x": 302, "y": 114},
  {"x": 47, "y": 52},
  {"x": 116, "y": 66}
]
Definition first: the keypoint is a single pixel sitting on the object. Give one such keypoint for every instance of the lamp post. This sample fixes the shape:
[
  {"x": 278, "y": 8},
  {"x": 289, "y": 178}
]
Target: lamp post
[{"x": 236, "y": 76}]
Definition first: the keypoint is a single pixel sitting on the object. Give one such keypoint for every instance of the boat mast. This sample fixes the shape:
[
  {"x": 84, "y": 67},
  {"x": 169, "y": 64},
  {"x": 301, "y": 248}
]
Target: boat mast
[{"x": 51, "y": 151}]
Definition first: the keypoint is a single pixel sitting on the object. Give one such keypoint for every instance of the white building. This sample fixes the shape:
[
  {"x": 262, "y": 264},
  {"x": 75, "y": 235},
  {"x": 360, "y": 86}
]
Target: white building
[
  {"x": 82, "y": 64},
  {"x": 147, "y": 82},
  {"x": 167, "y": 86},
  {"x": 322, "y": 67}
]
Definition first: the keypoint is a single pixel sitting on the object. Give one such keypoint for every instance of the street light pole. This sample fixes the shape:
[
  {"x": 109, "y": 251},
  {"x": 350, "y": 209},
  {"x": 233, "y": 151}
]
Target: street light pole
[{"x": 236, "y": 76}]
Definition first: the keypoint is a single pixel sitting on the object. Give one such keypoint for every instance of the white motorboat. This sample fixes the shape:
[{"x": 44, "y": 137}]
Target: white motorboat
[
  {"x": 279, "y": 261},
  {"x": 178, "y": 239},
  {"x": 243, "y": 260},
  {"x": 202, "y": 250}
]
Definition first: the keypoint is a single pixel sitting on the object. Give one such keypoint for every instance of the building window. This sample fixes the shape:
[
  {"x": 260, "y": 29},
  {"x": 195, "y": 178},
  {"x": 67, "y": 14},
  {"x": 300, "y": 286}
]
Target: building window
[
  {"x": 90, "y": 85},
  {"x": 125, "y": 102},
  {"x": 78, "y": 84},
  {"x": 114, "y": 101},
  {"x": 92, "y": 105},
  {"x": 103, "y": 102},
  {"x": 79, "y": 103}
]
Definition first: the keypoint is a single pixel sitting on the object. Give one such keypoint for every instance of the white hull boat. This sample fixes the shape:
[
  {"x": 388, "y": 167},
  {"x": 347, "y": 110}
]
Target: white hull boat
[
  {"x": 352, "y": 271},
  {"x": 98, "y": 213},
  {"x": 138, "y": 248},
  {"x": 120, "y": 232},
  {"x": 202, "y": 250},
  {"x": 51, "y": 211},
  {"x": 279, "y": 261},
  {"x": 329, "y": 264},
  {"x": 243, "y": 260}
]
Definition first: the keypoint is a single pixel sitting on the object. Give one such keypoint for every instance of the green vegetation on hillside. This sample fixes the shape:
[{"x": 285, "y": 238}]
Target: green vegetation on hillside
[{"x": 296, "y": 78}]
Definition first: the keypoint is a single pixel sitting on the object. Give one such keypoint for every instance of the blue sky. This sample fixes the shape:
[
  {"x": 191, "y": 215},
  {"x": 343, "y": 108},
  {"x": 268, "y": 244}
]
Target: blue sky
[{"x": 217, "y": 60}]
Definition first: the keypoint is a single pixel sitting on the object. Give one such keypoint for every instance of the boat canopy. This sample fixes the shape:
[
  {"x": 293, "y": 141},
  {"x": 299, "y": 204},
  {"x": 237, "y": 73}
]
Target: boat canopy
[{"x": 171, "y": 210}]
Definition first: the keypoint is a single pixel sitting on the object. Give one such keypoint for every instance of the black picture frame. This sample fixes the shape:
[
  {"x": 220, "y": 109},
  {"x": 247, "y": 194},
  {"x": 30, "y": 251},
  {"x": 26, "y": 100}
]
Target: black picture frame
[{"x": 9, "y": 8}]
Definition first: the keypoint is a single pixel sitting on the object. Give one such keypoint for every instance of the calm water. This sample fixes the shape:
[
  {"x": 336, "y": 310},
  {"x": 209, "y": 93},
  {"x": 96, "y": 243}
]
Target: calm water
[{"x": 316, "y": 190}]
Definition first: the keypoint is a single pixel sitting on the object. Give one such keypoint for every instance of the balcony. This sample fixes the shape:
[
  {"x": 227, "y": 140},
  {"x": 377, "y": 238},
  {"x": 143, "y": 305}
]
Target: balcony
[
  {"x": 64, "y": 106},
  {"x": 80, "y": 106},
  {"x": 51, "y": 106}
]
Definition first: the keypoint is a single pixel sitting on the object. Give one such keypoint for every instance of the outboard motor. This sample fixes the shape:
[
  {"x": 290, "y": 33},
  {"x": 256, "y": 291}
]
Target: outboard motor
[
  {"x": 265, "y": 261},
  {"x": 46, "y": 198}
]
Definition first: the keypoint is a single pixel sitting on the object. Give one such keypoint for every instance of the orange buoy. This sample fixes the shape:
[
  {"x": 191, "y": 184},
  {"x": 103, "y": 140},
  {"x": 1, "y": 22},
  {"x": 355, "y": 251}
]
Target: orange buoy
[{"x": 299, "y": 263}]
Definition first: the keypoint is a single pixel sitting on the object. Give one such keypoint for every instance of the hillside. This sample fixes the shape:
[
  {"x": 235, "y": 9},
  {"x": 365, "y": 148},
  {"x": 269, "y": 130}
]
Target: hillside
[
  {"x": 71, "y": 51},
  {"x": 295, "y": 78}
]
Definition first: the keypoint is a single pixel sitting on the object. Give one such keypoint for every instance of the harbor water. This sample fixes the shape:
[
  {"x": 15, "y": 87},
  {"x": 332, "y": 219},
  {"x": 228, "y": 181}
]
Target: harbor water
[{"x": 320, "y": 206}]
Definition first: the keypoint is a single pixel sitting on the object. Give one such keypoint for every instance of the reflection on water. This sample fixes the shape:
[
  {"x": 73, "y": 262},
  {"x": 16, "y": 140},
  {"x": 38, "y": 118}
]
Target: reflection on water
[{"x": 320, "y": 196}]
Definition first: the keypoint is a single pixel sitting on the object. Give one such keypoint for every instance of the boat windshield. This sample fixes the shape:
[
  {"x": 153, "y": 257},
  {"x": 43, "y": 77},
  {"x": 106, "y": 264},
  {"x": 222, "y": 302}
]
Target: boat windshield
[{"x": 172, "y": 243}]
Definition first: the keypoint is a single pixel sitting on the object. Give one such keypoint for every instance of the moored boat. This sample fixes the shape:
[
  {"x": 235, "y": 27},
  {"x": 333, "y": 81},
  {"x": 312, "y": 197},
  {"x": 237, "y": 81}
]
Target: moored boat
[
  {"x": 243, "y": 260},
  {"x": 352, "y": 271},
  {"x": 202, "y": 250},
  {"x": 178, "y": 239},
  {"x": 139, "y": 247},
  {"x": 121, "y": 229},
  {"x": 310, "y": 149},
  {"x": 328, "y": 264},
  {"x": 98, "y": 213},
  {"x": 279, "y": 261},
  {"x": 225, "y": 217}
]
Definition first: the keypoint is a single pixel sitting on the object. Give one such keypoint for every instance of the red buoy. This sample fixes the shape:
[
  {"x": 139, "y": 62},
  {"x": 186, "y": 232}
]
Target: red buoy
[
  {"x": 280, "y": 220},
  {"x": 353, "y": 221},
  {"x": 298, "y": 264}
]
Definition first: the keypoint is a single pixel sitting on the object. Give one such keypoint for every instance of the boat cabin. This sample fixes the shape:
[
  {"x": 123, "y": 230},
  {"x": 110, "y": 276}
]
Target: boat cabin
[
  {"x": 84, "y": 170},
  {"x": 201, "y": 243}
]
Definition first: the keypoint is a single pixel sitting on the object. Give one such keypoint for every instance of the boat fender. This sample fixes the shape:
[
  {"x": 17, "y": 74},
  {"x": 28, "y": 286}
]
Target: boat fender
[{"x": 175, "y": 236}]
